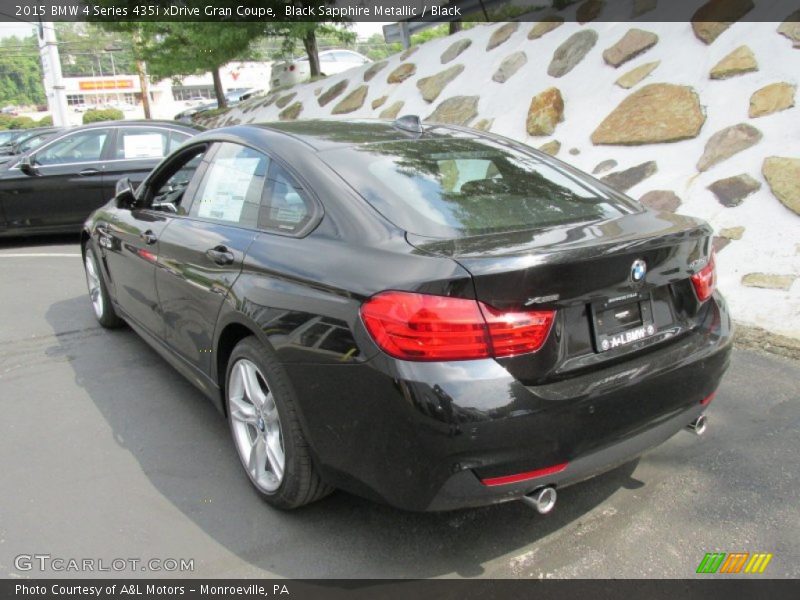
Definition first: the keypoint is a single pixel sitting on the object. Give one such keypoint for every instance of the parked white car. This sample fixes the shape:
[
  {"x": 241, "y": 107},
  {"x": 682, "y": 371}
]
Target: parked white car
[{"x": 330, "y": 62}]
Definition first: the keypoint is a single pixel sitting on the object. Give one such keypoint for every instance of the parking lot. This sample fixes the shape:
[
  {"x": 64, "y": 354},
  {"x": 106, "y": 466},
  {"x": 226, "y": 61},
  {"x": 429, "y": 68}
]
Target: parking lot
[{"x": 109, "y": 453}]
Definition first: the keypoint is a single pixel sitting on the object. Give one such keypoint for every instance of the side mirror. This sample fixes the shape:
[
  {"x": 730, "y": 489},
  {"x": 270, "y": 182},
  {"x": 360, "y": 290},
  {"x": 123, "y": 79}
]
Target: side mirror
[
  {"x": 27, "y": 166},
  {"x": 123, "y": 193}
]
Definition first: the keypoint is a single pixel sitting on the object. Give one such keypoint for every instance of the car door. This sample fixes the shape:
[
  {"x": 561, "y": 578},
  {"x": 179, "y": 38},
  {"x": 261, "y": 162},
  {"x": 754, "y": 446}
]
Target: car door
[
  {"x": 130, "y": 238},
  {"x": 200, "y": 255},
  {"x": 135, "y": 151},
  {"x": 63, "y": 185}
]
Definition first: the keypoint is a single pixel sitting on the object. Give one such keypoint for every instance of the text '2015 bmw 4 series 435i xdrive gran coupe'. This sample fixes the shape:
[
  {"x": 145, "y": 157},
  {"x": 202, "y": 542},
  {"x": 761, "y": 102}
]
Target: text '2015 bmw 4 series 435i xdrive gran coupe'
[{"x": 428, "y": 316}]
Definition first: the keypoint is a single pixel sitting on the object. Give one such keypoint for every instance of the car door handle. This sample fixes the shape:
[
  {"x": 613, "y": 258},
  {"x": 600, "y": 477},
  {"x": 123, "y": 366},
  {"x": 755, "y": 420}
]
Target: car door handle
[
  {"x": 89, "y": 172},
  {"x": 149, "y": 238},
  {"x": 220, "y": 255}
]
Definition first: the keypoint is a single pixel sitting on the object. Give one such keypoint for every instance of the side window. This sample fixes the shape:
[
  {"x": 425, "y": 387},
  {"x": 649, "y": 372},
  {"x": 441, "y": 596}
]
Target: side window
[
  {"x": 84, "y": 146},
  {"x": 140, "y": 142},
  {"x": 284, "y": 209},
  {"x": 232, "y": 186},
  {"x": 170, "y": 187}
]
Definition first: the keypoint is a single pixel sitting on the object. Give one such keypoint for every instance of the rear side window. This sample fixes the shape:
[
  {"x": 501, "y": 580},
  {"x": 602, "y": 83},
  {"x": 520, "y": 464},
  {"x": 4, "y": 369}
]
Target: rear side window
[
  {"x": 232, "y": 186},
  {"x": 462, "y": 187},
  {"x": 284, "y": 208}
]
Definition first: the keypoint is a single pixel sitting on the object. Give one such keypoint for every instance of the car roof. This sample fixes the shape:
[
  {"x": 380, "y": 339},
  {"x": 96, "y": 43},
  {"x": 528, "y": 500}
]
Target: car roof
[
  {"x": 328, "y": 134},
  {"x": 142, "y": 123}
]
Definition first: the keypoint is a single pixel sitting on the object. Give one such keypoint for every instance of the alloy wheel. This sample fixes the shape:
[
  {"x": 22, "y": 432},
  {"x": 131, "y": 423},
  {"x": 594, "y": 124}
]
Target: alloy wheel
[{"x": 256, "y": 425}]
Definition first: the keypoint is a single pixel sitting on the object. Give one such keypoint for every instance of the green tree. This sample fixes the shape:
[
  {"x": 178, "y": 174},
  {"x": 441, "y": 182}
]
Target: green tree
[
  {"x": 174, "y": 49},
  {"x": 20, "y": 72},
  {"x": 185, "y": 48}
]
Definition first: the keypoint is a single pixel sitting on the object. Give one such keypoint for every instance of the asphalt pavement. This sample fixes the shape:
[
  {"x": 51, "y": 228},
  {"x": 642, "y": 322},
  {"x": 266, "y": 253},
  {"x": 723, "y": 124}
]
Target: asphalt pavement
[{"x": 108, "y": 453}]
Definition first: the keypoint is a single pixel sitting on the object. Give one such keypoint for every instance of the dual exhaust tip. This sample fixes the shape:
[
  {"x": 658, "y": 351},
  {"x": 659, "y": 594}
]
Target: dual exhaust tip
[{"x": 544, "y": 499}]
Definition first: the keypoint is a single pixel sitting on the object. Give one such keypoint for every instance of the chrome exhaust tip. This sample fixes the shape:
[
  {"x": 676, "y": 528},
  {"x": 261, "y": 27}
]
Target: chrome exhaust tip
[
  {"x": 699, "y": 425},
  {"x": 542, "y": 500}
]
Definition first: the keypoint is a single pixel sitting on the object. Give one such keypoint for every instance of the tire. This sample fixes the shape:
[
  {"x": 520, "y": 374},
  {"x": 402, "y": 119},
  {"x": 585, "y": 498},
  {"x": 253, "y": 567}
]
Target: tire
[
  {"x": 261, "y": 408},
  {"x": 98, "y": 292}
]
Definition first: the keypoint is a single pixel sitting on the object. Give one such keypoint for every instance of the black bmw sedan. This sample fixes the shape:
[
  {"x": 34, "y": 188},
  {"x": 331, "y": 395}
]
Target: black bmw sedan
[
  {"x": 428, "y": 316},
  {"x": 54, "y": 186}
]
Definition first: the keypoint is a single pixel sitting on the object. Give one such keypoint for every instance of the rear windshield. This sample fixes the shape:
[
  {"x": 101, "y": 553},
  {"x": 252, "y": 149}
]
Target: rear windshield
[{"x": 464, "y": 187}]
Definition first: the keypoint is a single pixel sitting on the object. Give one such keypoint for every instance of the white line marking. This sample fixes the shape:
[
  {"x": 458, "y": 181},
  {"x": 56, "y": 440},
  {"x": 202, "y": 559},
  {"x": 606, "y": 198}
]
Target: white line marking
[{"x": 36, "y": 254}]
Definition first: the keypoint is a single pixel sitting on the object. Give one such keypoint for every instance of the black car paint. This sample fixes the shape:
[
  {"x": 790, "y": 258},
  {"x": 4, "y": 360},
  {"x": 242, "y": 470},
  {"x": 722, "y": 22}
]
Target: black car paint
[
  {"x": 59, "y": 197},
  {"x": 421, "y": 435}
]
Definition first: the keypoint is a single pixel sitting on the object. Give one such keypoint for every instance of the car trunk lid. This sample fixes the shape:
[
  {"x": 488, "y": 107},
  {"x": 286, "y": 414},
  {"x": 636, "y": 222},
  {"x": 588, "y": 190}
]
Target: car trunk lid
[{"x": 585, "y": 272}]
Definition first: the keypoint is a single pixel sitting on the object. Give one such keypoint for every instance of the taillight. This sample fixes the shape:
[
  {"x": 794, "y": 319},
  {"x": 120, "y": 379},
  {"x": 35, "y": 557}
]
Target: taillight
[
  {"x": 705, "y": 280},
  {"x": 422, "y": 327},
  {"x": 292, "y": 67}
]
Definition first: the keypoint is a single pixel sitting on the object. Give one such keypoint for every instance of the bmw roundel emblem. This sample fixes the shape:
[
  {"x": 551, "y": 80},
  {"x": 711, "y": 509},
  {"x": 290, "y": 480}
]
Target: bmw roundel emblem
[{"x": 638, "y": 270}]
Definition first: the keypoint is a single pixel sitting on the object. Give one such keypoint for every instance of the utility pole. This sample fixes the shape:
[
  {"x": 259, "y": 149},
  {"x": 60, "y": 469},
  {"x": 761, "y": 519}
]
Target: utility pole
[
  {"x": 51, "y": 67},
  {"x": 111, "y": 50}
]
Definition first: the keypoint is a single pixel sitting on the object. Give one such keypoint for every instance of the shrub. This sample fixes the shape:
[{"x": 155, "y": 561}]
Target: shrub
[
  {"x": 22, "y": 123},
  {"x": 106, "y": 114},
  {"x": 11, "y": 122},
  {"x": 45, "y": 121}
]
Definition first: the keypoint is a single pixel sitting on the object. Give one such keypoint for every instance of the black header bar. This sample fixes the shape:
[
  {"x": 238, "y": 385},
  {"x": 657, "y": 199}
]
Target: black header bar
[{"x": 399, "y": 10}]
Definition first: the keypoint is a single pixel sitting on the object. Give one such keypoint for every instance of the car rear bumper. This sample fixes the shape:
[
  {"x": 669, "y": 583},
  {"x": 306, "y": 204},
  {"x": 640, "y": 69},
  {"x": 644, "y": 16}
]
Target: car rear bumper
[
  {"x": 465, "y": 489},
  {"x": 423, "y": 436}
]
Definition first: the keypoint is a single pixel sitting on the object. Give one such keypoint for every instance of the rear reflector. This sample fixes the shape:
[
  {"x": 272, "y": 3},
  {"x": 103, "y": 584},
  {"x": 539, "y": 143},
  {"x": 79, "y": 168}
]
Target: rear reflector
[
  {"x": 423, "y": 327},
  {"x": 708, "y": 399},
  {"x": 705, "y": 280},
  {"x": 518, "y": 477}
]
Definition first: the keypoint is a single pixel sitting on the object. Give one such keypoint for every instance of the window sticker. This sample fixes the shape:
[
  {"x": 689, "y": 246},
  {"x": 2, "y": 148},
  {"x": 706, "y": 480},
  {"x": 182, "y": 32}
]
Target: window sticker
[
  {"x": 143, "y": 145},
  {"x": 226, "y": 188}
]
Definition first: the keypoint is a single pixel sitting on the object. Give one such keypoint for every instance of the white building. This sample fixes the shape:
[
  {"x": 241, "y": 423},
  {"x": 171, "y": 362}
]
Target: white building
[{"x": 125, "y": 88}]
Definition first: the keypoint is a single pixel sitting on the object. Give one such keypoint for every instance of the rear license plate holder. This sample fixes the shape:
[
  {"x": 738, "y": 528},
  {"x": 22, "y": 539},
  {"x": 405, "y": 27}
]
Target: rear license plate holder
[{"x": 620, "y": 322}]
